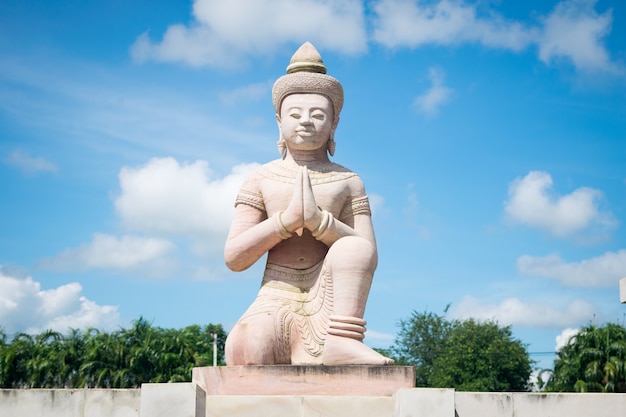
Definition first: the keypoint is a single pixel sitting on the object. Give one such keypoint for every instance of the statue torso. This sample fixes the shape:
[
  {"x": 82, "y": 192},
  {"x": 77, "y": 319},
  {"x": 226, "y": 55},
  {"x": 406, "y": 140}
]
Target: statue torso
[{"x": 333, "y": 185}]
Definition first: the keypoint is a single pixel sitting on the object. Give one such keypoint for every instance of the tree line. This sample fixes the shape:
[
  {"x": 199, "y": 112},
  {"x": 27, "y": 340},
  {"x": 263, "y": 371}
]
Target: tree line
[
  {"x": 470, "y": 355},
  {"x": 125, "y": 358},
  {"x": 467, "y": 355}
]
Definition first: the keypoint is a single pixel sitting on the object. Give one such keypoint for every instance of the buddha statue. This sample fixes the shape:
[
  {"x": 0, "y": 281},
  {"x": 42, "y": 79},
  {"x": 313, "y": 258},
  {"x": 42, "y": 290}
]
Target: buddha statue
[{"x": 312, "y": 218}]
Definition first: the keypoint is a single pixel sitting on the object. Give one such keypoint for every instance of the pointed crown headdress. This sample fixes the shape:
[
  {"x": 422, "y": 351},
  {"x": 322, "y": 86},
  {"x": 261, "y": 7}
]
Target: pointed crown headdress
[{"x": 306, "y": 73}]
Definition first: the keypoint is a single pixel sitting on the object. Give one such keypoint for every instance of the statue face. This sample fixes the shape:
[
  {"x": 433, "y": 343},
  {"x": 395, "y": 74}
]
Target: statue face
[{"x": 306, "y": 121}]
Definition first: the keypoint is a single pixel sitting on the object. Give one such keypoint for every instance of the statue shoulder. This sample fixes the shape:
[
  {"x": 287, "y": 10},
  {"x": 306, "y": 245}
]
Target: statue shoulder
[
  {"x": 250, "y": 191},
  {"x": 253, "y": 180},
  {"x": 353, "y": 180}
]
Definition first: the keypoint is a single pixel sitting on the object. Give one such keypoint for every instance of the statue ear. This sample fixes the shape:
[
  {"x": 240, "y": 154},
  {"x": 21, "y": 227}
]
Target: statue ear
[
  {"x": 330, "y": 146},
  {"x": 282, "y": 146}
]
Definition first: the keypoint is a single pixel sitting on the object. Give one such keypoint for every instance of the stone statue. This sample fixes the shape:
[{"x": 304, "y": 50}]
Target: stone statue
[{"x": 312, "y": 217}]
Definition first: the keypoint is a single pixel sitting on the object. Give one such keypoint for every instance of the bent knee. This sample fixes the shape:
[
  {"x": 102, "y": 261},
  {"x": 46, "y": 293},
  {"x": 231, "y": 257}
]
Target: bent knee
[{"x": 355, "y": 250}]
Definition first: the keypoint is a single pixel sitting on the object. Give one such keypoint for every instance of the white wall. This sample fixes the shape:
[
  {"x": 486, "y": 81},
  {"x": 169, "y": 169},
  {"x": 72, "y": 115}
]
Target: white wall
[
  {"x": 188, "y": 400},
  {"x": 472, "y": 404},
  {"x": 70, "y": 403}
]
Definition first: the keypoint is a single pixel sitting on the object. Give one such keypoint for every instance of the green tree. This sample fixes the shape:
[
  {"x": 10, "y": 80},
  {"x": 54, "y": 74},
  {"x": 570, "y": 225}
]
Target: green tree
[
  {"x": 466, "y": 355},
  {"x": 593, "y": 360},
  {"x": 419, "y": 341},
  {"x": 44, "y": 363},
  {"x": 482, "y": 356},
  {"x": 124, "y": 358},
  {"x": 72, "y": 354},
  {"x": 15, "y": 358},
  {"x": 5, "y": 362}
]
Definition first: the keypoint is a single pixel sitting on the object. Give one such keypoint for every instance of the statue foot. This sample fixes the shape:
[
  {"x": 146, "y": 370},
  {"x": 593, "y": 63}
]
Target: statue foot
[{"x": 340, "y": 350}]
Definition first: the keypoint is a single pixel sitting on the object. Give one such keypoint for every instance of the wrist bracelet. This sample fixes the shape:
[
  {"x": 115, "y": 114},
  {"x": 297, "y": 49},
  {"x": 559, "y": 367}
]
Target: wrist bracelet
[
  {"x": 280, "y": 227},
  {"x": 325, "y": 225}
]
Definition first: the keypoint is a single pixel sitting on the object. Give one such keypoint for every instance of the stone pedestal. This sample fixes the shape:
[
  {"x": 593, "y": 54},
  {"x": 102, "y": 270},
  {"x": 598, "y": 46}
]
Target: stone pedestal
[
  {"x": 349, "y": 380},
  {"x": 183, "y": 399}
]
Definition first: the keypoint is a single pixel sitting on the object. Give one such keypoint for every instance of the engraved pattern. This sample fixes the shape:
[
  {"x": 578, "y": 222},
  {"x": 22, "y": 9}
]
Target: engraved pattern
[
  {"x": 360, "y": 205},
  {"x": 331, "y": 172},
  {"x": 250, "y": 198},
  {"x": 302, "y": 311}
]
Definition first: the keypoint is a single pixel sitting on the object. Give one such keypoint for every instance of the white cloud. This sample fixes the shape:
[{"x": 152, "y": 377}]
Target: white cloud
[
  {"x": 165, "y": 197},
  {"x": 110, "y": 252},
  {"x": 436, "y": 96},
  {"x": 415, "y": 23},
  {"x": 29, "y": 164},
  {"x": 161, "y": 199},
  {"x": 574, "y": 30},
  {"x": 564, "y": 337},
  {"x": 513, "y": 311},
  {"x": 223, "y": 32},
  {"x": 602, "y": 271},
  {"x": 531, "y": 203},
  {"x": 25, "y": 307}
]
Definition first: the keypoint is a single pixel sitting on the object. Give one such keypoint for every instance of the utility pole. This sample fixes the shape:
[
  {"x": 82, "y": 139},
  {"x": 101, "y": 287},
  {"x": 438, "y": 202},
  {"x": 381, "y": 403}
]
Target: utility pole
[{"x": 214, "y": 348}]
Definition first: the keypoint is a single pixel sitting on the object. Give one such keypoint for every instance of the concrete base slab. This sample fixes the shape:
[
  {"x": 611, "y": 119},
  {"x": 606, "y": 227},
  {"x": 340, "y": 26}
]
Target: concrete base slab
[
  {"x": 70, "y": 402},
  {"x": 183, "y": 399},
  {"x": 424, "y": 402},
  {"x": 188, "y": 400},
  {"x": 306, "y": 406},
  {"x": 355, "y": 380},
  {"x": 483, "y": 404}
]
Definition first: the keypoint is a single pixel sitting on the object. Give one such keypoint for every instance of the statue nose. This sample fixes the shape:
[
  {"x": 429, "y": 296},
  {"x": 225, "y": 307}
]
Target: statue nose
[{"x": 306, "y": 119}]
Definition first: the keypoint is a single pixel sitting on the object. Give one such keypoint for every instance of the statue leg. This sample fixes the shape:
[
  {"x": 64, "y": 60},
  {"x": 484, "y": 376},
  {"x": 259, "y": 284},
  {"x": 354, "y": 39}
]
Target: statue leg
[
  {"x": 352, "y": 261},
  {"x": 253, "y": 342}
]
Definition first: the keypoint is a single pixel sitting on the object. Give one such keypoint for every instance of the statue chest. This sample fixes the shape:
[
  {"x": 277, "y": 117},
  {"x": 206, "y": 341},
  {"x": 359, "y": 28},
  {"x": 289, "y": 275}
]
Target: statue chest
[{"x": 330, "y": 196}]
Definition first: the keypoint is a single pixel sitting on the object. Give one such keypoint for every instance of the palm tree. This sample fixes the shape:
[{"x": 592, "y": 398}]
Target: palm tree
[
  {"x": 72, "y": 354},
  {"x": 45, "y": 363},
  {"x": 5, "y": 368},
  {"x": 104, "y": 358},
  {"x": 17, "y": 357},
  {"x": 594, "y": 360},
  {"x": 125, "y": 358}
]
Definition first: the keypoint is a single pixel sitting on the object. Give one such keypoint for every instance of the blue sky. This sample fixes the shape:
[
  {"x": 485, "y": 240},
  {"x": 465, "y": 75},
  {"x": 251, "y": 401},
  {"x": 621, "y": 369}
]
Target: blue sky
[{"x": 490, "y": 135}]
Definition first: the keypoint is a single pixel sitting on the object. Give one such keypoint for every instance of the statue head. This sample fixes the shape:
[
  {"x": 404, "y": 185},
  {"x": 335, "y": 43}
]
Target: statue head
[{"x": 306, "y": 74}]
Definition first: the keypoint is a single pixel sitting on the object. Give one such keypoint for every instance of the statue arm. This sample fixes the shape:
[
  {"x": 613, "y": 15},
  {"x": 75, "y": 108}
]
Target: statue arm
[
  {"x": 303, "y": 212},
  {"x": 351, "y": 223},
  {"x": 338, "y": 229},
  {"x": 251, "y": 235}
]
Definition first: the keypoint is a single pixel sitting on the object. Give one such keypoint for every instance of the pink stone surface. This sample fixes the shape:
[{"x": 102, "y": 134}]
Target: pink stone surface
[
  {"x": 312, "y": 218},
  {"x": 359, "y": 380}
]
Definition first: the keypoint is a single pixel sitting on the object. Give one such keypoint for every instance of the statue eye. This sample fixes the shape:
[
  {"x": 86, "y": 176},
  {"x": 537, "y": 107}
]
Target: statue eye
[
  {"x": 295, "y": 115},
  {"x": 319, "y": 116}
]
